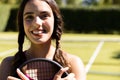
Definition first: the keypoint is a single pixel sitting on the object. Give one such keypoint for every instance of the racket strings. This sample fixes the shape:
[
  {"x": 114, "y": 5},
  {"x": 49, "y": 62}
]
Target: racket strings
[{"x": 40, "y": 70}]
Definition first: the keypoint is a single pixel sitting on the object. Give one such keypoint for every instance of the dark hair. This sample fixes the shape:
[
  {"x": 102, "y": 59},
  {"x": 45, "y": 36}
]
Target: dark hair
[{"x": 20, "y": 57}]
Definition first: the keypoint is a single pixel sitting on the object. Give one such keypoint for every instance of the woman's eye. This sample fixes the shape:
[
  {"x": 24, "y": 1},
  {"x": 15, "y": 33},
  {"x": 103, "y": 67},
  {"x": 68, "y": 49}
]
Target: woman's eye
[
  {"x": 44, "y": 16},
  {"x": 29, "y": 18}
]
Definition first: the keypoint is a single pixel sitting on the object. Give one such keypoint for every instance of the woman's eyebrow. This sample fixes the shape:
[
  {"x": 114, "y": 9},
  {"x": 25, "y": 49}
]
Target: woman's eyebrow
[
  {"x": 44, "y": 12},
  {"x": 28, "y": 13}
]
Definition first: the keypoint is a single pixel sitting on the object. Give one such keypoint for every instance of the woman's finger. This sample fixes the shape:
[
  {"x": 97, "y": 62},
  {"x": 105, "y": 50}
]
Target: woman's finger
[
  {"x": 71, "y": 76},
  {"x": 21, "y": 75},
  {"x": 60, "y": 73},
  {"x": 12, "y": 78}
]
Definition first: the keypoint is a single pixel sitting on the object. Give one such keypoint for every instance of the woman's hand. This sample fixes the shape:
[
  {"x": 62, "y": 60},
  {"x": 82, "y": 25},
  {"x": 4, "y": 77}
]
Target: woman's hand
[
  {"x": 21, "y": 75},
  {"x": 58, "y": 76}
]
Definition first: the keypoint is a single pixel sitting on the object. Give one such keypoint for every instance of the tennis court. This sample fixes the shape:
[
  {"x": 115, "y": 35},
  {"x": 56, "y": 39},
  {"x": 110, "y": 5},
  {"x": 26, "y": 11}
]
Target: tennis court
[{"x": 100, "y": 53}]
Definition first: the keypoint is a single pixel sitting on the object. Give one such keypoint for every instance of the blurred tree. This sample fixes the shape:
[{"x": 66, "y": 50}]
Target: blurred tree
[
  {"x": 108, "y": 1},
  {"x": 18, "y": 1},
  {"x": 10, "y": 1},
  {"x": 70, "y": 1},
  {"x": 112, "y": 2},
  {"x": 59, "y": 2},
  {"x": 73, "y": 2},
  {"x": 4, "y": 1},
  {"x": 116, "y": 2}
]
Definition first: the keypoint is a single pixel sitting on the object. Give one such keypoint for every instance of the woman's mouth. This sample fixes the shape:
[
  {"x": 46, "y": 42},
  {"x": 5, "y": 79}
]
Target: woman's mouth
[{"x": 38, "y": 32}]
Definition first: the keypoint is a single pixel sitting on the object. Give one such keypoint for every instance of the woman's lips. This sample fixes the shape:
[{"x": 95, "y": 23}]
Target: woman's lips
[{"x": 38, "y": 32}]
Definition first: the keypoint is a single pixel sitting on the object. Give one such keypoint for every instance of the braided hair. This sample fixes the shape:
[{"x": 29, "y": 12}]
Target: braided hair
[{"x": 20, "y": 57}]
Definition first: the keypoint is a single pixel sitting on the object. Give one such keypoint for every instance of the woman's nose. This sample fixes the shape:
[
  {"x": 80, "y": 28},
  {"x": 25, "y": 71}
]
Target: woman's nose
[{"x": 38, "y": 21}]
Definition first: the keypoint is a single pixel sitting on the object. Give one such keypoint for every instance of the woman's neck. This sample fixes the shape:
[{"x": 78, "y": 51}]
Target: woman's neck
[{"x": 41, "y": 51}]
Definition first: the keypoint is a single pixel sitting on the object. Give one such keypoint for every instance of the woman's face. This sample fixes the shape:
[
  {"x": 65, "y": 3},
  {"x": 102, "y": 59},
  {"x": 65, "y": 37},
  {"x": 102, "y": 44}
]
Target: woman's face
[{"x": 38, "y": 20}]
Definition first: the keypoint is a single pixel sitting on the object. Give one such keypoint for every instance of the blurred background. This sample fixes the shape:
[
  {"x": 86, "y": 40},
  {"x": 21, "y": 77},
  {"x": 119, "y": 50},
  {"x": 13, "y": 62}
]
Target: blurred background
[
  {"x": 81, "y": 16},
  {"x": 92, "y": 27}
]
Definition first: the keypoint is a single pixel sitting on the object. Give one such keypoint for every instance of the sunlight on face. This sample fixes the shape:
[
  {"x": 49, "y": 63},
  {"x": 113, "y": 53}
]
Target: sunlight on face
[{"x": 38, "y": 21}]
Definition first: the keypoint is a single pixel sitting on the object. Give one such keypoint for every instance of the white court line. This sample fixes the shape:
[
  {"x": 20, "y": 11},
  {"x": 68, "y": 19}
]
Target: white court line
[
  {"x": 8, "y": 52},
  {"x": 92, "y": 59}
]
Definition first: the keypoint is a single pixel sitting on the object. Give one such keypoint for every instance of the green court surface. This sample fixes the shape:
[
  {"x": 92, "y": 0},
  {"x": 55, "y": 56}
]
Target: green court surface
[{"x": 106, "y": 65}]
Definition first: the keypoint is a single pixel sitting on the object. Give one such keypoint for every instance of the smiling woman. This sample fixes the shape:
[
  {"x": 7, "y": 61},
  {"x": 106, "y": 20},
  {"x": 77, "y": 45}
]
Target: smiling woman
[
  {"x": 38, "y": 21},
  {"x": 41, "y": 22}
]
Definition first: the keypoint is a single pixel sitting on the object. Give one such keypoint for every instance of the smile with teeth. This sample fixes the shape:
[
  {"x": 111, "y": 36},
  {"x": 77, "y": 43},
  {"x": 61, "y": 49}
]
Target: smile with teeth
[{"x": 38, "y": 32}]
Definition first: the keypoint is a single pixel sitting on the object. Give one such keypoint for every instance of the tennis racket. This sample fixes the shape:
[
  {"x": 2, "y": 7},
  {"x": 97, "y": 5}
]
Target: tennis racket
[{"x": 41, "y": 69}]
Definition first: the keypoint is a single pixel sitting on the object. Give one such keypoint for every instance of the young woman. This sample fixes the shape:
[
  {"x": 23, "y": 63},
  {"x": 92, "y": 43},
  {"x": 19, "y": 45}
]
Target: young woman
[{"x": 41, "y": 22}]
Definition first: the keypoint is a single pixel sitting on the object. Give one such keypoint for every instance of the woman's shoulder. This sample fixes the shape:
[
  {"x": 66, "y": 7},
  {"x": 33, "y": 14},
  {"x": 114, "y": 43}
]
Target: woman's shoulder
[
  {"x": 71, "y": 57},
  {"x": 7, "y": 60},
  {"x": 5, "y": 67},
  {"x": 77, "y": 66},
  {"x": 75, "y": 59}
]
